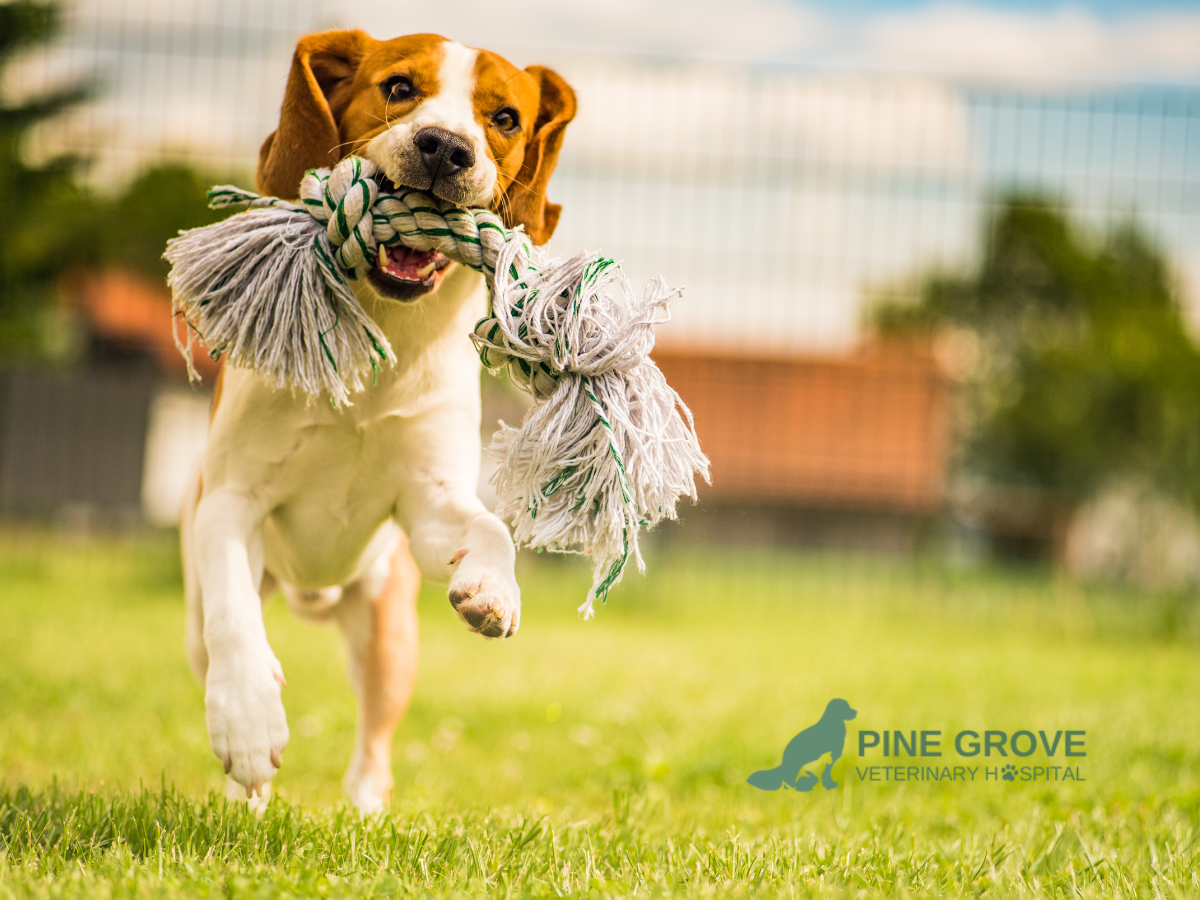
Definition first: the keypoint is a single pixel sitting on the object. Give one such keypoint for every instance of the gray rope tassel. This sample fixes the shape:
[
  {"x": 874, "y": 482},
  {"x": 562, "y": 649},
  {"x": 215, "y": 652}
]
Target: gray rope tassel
[{"x": 608, "y": 448}]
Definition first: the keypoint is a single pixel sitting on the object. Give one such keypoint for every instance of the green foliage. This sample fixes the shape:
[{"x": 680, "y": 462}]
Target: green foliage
[
  {"x": 54, "y": 227},
  {"x": 1085, "y": 371},
  {"x": 687, "y": 681},
  {"x": 163, "y": 844},
  {"x": 61, "y": 223},
  {"x": 160, "y": 203}
]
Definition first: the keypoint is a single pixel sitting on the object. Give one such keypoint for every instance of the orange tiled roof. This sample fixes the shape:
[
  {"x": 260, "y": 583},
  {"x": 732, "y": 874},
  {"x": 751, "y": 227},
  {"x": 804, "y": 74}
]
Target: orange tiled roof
[
  {"x": 130, "y": 309},
  {"x": 866, "y": 430}
]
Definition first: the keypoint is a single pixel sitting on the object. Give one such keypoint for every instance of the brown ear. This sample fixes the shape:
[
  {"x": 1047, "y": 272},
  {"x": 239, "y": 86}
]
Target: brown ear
[
  {"x": 318, "y": 91},
  {"x": 526, "y": 196}
]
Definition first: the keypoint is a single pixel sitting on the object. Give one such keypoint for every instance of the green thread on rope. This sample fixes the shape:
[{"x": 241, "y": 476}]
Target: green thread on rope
[
  {"x": 614, "y": 572},
  {"x": 555, "y": 484},
  {"x": 612, "y": 446},
  {"x": 608, "y": 447}
]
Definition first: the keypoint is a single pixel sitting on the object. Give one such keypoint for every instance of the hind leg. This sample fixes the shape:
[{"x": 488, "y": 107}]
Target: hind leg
[
  {"x": 378, "y": 617},
  {"x": 804, "y": 781}
]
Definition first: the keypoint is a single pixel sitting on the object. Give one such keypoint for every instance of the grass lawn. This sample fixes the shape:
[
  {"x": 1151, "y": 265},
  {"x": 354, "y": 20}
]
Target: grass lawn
[{"x": 610, "y": 757}]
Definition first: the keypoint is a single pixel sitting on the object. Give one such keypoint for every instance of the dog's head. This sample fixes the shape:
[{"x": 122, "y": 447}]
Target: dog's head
[
  {"x": 839, "y": 709},
  {"x": 465, "y": 125}
]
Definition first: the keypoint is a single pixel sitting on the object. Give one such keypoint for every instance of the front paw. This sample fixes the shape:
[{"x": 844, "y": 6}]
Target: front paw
[
  {"x": 247, "y": 726},
  {"x": 487, "y": 598}
]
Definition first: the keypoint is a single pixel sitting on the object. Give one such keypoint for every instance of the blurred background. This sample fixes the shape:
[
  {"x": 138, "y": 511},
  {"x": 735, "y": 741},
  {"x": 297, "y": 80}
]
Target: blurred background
[
  {"x": 941, "y": 261},
  {"x": 941, "y": 271}
]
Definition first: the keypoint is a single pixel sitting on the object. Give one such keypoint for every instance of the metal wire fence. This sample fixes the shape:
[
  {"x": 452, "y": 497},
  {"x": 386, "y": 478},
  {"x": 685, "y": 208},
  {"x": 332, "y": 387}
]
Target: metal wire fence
[
  {"x": 787, "y": 202},
  {"x": 784, "y": 200}
]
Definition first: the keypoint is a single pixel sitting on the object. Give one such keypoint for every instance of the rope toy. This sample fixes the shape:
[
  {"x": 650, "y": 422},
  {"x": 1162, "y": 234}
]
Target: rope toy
[{"x": 607, "y": 449}]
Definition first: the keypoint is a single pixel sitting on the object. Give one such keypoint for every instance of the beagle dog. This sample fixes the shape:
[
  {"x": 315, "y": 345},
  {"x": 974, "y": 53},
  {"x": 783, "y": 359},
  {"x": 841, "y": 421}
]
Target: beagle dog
[{"x": 345, "y": 508}]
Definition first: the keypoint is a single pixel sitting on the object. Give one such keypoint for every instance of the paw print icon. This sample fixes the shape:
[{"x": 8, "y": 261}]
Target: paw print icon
[{"x": 1009, "y": 773}]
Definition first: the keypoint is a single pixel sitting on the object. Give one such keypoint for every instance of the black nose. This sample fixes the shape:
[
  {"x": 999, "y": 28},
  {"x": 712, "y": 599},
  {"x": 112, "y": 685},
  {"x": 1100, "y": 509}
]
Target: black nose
[{"x": 443, "y": 152}]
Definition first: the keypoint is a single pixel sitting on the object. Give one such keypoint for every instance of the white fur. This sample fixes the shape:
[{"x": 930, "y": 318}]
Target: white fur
[
  {"x": 453, "y": 109},
  {"x": 312, "y": 494}
]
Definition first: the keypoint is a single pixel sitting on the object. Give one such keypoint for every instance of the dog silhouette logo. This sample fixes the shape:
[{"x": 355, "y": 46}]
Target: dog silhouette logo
[{"x": 827, "y": 736}]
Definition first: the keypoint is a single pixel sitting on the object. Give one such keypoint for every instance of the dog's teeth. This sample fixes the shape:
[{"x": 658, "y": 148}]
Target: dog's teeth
[
  {"x": 383, "y": 257},
  {"x": 425, "y": 271}
]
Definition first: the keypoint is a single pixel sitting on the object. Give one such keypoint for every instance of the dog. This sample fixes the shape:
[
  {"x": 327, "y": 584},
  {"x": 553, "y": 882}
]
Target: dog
[
  {"x": 346, "y": 508},
  {"x": 827, "y": 736}
]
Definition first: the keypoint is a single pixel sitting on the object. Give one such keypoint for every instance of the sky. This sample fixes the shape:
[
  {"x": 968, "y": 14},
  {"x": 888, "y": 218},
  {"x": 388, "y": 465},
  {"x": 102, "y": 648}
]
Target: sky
[
  {"x": 1105, "y": 8},
  {"x": 876, "y": 220},
  {"x": 1103, "y": 40},
  {"x": 783, "y": 160},
  {"x": 1059, "y": 42}
]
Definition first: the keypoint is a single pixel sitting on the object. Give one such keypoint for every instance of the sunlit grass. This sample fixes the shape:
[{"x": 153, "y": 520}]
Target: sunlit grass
[{"x": 611, "y": 755}]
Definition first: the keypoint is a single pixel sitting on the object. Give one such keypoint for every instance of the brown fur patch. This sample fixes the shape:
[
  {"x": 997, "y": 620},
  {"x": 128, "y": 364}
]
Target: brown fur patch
[
  {"x": 369, "y": 111},
  {"x": 525, "y": 160},
  {"x": 335, "y": 103},
  {"x": 323, "y": 68},
  {"x": 500, "y": 84}
]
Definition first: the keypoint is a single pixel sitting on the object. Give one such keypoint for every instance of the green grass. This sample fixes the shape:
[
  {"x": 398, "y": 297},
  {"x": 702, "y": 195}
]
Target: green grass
[{"x": 608, "y": 757}]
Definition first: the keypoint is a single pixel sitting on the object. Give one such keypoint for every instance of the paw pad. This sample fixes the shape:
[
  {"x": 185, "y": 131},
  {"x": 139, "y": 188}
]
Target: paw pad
[{"x": 1009, "y": 773}]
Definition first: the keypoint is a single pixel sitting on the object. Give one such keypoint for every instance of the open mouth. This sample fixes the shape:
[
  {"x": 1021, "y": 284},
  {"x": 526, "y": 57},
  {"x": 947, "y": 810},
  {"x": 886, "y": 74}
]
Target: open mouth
[{"x": 404, "y": 274}]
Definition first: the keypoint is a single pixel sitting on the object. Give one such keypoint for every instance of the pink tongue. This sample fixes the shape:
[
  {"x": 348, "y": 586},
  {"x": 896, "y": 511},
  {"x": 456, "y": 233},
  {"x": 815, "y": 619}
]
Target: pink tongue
[{"x": 407, "y": 264}]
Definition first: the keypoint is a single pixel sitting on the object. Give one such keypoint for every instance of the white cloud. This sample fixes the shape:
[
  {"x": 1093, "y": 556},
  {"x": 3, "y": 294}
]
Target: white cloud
[
  {"x": 751, "y": 29},
  {"x": 1066, "y": 43},
  {"x": 780, "y": 195},
  {"x": 1057, "y": 44},
  {"x": 670, "y": 119},
  {"x": 776, "y": 199}
]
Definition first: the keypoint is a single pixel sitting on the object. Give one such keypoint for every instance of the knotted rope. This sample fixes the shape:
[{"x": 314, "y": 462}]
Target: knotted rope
[{"x": 608, "y": 447}]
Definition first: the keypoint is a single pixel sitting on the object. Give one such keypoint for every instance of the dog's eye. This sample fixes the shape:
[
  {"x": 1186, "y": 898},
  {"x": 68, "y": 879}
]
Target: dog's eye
[
  {"x": 507, "y": 119},
  {"x": 398, "y": 87}
]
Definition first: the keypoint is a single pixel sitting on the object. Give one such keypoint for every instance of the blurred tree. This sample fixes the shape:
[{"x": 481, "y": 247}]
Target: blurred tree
[
  {"x": 1082, "y": 370},
  {"x": 60, "y": 222},
  {"x": 160, "y": 203},
  {"x": 53, "y": 220}
]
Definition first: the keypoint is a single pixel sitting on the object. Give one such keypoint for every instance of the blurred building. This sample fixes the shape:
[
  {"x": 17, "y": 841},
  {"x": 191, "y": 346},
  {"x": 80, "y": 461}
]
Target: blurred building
[
  {"x": 785, "y": 200},
  {"x": 847, "y": 450},
  {"x": 72, "y": 443},
  {"x": 111, "y": 440}
]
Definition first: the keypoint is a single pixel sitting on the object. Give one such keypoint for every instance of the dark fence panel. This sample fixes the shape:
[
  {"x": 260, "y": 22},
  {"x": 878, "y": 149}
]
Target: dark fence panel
[{"x": 73, "y": 443}]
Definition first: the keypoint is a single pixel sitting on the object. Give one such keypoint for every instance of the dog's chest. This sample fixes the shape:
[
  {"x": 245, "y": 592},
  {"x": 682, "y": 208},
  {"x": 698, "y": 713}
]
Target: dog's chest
[
  {"x": 327, "y": 478},
  {"x": 342, "y": 485}
]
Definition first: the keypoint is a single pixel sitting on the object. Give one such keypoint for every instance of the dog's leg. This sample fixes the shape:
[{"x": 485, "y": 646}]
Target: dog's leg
[
  {"x": 827, "y": 778},
  {"x": 247, "y": 727},
  {"x": 461, "y": 542},
  {"x": 234, "y": 791},
  {"x": 378, "y": 616},
  {"x": 452, "y": 536},
  {"x": 197, "y": 653}
]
